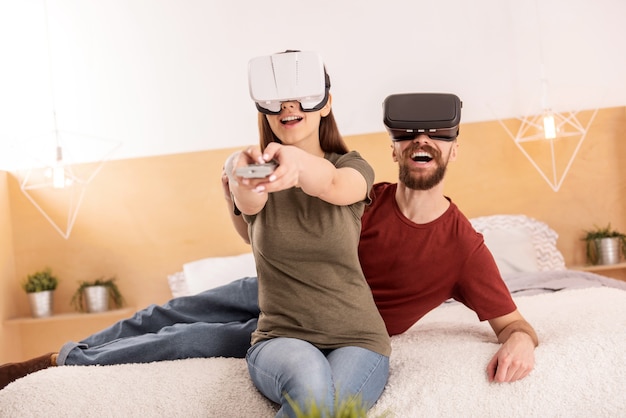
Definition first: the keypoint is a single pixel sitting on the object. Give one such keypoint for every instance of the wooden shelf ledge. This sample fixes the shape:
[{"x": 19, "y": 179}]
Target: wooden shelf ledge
[{"x": 73, "y": 316}]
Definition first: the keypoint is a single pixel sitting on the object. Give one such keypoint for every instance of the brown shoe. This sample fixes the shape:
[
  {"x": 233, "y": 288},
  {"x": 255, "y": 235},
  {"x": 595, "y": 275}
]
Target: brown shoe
[{"x": 13, "y": 371}]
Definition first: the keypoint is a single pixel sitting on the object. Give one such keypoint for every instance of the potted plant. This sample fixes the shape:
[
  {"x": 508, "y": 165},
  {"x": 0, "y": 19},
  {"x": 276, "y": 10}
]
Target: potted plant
[
  {"x": 605, "y": 245},
  {"x": 94, "y": 295},
  {"x": 40, "y": 288}
]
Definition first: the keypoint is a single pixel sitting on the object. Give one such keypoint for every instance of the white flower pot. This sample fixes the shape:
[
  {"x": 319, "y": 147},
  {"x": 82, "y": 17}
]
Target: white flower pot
[
  {"x": 608, "y": 250},
  {"x": 41, "y": 303},
  {"x": 97, "y": 298}
]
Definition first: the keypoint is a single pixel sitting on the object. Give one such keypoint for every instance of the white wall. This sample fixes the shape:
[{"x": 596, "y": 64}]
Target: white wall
[{"x": 166, "y": 76}]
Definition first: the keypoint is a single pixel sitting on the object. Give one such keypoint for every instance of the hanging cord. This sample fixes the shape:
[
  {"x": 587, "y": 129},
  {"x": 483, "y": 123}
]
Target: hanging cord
[
  {"x": 52, "y": 93},
  {"x": 544, "y": 80}
]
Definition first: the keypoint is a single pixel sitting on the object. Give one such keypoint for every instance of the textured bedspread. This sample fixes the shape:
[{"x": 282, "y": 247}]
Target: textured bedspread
[{"x": 437, "y": 370}]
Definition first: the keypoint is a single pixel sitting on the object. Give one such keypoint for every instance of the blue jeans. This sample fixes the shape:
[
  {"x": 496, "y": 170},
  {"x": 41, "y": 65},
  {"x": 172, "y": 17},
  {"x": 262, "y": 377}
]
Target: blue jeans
[
  {"x": 288, "y": 366},
  {"x": 214, "y": 323}
]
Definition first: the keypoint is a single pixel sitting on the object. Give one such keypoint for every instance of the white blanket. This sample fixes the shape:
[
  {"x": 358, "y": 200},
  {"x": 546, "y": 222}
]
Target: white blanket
[{"x": 437, "y": 370}]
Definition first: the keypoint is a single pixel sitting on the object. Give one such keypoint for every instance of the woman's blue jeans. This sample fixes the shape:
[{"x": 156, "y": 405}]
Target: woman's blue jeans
[
  {"x": 288, "y": 366},
  {"x": 214, "y": 323}
]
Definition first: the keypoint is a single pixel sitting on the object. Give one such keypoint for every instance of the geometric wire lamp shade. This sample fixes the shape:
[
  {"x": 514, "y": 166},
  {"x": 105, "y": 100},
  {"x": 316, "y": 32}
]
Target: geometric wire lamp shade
[
  {"x": 59, "y": 203},
  {"x": 60, "y": 173},
  {"x": 551, "y": 140}
]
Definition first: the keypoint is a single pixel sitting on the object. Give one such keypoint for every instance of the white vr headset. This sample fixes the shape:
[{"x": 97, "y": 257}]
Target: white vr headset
[{"x": 288, "y": 76}]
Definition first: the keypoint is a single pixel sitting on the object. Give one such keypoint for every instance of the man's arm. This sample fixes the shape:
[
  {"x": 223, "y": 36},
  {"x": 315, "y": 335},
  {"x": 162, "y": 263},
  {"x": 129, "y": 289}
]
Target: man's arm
[{"x": 516, "y": 357}]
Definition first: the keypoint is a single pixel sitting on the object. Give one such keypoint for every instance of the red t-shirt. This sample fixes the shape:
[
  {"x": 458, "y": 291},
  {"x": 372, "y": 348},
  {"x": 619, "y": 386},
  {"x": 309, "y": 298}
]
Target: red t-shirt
[{"x": 413, "y": 268}]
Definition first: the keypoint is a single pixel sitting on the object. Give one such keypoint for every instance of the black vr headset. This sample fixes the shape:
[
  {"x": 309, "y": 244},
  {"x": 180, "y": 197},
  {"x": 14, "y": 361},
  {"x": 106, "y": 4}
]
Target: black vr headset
[
  {"x": 437, "y": 115},
  {"x": 288, "y": 76}
]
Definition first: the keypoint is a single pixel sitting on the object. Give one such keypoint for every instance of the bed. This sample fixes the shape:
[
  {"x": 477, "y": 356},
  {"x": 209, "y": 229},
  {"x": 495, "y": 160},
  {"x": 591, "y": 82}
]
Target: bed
[{"x": 437, "y": 366}]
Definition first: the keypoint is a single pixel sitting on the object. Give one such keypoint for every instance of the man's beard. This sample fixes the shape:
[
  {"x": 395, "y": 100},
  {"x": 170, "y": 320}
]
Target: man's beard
[{"x": 422, "y": 182}]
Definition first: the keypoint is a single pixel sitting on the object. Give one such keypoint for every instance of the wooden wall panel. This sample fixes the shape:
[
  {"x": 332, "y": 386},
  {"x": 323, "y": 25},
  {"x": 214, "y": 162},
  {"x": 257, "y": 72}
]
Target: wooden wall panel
[
  {"x": 11, "y": 343},
  {"x": 143, "y": 218}
]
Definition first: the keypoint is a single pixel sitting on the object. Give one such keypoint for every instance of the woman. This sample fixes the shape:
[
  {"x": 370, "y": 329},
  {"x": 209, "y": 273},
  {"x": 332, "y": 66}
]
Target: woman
[{"x": 320, "y": 339}]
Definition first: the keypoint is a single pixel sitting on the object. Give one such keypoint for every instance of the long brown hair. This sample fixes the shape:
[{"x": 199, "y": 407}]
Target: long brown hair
[{"x": 330, "y": 138}]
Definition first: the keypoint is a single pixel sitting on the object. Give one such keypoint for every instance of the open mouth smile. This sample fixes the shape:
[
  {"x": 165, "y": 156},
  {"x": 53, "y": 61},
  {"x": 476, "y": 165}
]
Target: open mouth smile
[
  {"x": 421, "y": 157},
  {"x": 290, "y": 120}
]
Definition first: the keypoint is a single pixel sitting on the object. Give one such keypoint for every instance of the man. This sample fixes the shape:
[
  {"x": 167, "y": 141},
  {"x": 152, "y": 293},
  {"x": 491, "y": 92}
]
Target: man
[{"x": 416, "y": 249}]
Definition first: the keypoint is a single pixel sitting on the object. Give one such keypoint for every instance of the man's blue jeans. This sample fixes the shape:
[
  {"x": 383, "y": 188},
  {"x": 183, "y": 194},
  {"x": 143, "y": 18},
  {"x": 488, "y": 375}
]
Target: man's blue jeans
[
  {"x": 297, "y": 368},
  {"x": 214, "y": 323}
]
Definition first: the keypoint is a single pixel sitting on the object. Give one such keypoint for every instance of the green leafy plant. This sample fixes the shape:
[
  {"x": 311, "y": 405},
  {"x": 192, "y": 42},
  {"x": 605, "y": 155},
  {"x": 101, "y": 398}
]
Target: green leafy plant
[
  {"x": 599, "y": 233},
  {"x": 40, "y": 281},
  {"x": 78, "y": 299},
  {"x": 351, "y": 407}
]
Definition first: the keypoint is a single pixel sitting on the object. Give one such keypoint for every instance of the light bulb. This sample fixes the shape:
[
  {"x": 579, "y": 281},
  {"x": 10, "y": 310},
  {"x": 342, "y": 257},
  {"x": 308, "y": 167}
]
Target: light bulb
[{"x": 549, "y": 128}]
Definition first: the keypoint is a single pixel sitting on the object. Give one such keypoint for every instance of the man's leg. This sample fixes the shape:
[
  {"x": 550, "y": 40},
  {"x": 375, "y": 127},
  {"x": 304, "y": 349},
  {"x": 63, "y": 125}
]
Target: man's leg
[
  {"x": 212, "y": 323},
  {"x": 235, "y": 301},
  {"x": 178, "y": 341}
]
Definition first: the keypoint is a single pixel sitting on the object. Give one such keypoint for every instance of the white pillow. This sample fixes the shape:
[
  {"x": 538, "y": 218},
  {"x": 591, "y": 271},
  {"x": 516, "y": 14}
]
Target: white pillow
[
  {"x": 512, "y": 249},
  {"x": 211, "y": 272},
  {"x": 543, "y": 238},
  {"x": 178, "y": 284}
]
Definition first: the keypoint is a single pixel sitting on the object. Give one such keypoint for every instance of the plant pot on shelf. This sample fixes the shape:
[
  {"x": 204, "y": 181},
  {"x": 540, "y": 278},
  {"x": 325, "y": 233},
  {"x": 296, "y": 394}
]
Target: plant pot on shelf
[
  {"x": 605, "y": 246},
  {"x": 608, "y": 250},
  {"x": 41, "y": 303},
  {"x": 40, "y": 288},
  {"x": 96, "y": 298}
]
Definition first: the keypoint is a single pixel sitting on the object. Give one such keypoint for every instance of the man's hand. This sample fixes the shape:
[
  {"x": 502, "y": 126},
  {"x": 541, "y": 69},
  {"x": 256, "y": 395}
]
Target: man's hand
[{"x": 514, "y": 360}]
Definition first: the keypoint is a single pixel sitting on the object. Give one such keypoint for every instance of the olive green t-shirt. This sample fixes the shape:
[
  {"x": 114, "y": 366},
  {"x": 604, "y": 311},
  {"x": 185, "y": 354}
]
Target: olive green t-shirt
[{"x": 311, "y": 285}]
